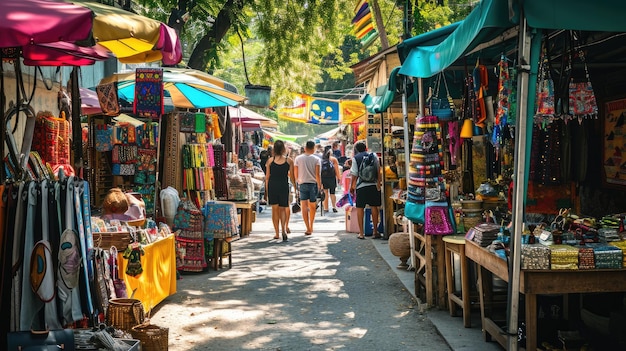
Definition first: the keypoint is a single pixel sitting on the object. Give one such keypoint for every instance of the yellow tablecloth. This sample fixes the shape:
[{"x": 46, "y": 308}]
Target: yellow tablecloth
[{"x": 158, "y": 279}]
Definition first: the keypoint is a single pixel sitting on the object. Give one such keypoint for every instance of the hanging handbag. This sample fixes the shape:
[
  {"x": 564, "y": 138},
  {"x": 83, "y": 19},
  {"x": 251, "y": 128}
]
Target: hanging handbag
[
  {"x": 414, "y": 212},
  {"x": 545, "y": 90},
  {"x": 44, "y": 340},
  {"x": 119, "y": 285},
  {"x": 443, "y": 108},
  {"x": 437, "y": 220},
  {"x": 582, "y": 100}
]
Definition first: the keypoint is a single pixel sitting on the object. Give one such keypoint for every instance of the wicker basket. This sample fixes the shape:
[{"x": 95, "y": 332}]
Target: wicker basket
[
  {"x": 105, "y": 240},
  {"x": 125, "y": 313},
  {"x": 152, "y": 337}
]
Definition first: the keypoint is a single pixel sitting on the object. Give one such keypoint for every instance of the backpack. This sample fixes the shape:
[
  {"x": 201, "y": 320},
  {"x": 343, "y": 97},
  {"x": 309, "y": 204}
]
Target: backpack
[
  {"x": 368, "y": 169},
  {"x": 327, "y": 168}
]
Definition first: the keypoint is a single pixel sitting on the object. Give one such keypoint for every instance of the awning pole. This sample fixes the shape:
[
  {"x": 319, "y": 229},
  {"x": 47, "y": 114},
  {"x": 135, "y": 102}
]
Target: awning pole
[
  {"x": 407, "y": 158},
  {"x": 519, "y": 180}
]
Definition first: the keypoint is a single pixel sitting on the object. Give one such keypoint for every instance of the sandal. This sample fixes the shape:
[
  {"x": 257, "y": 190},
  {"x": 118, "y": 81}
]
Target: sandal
[
  {"x": 276, "y": 237},
  {"x": 361, "y": 237},
  {"x": 377, "y": 236},
  {"x": 307, "y": 233},
  {"x": 288, "y": 230},
  {"x": 284, "y": 236}
]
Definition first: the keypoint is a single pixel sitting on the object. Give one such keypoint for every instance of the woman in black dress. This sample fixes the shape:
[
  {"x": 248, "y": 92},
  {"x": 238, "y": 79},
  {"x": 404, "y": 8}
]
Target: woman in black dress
[{"x": 279, "y": 171}]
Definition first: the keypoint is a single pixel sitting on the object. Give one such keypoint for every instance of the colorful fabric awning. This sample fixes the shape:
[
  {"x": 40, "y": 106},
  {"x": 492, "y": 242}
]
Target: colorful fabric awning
[{"x": 133, "y": 38}]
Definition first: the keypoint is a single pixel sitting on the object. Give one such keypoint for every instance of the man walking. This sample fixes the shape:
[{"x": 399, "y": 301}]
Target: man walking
[
  {"x": 307, "y": 172},
  {"x": 366, "y": 182}
]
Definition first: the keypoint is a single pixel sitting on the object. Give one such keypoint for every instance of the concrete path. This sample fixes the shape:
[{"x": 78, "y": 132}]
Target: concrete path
[{"x": 329, "y": 291}]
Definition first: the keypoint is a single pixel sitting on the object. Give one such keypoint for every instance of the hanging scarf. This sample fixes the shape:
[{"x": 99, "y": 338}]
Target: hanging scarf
[{"x": 481, "y": 81}]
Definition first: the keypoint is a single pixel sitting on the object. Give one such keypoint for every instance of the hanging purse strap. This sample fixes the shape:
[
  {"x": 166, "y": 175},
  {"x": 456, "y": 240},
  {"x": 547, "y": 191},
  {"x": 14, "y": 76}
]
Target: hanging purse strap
[{"x": 448, "y": 96}]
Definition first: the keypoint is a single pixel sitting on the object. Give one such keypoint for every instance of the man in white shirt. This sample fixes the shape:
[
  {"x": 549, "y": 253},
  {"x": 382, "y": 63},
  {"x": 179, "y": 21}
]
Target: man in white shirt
[{"x": 309, "y": 182}]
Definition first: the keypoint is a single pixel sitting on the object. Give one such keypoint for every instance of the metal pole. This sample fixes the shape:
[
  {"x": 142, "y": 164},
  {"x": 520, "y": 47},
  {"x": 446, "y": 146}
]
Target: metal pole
[
  {"x": 519, "y": 181},
  {"x": 407, "y": 158}
]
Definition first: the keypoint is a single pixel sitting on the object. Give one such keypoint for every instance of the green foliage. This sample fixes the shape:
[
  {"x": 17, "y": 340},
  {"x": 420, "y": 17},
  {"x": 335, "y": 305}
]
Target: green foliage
[
  {"x": 291, "y": 45},
  {"x": 434, "y": 14}
]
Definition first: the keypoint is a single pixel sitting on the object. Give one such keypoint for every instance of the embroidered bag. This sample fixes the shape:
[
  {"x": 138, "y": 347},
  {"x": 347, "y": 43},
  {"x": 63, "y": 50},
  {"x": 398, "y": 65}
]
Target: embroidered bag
[
  {"x": 437, "y": 219},
  {"x": 582, "y": 100}
]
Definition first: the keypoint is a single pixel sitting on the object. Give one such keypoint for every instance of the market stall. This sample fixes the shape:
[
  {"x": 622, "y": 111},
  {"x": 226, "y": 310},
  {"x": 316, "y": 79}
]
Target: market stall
[{"x": 538, "y": 112}]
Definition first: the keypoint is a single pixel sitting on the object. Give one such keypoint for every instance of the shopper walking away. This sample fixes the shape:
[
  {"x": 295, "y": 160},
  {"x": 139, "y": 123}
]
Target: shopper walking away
[
  {"x": 346, "y": 177},
  {"x": 307, "y": 171},
  {"x": 366, "y": 182},
  {"x": 330, "y": 177},
  {"x": 264, "y": 156},
  {"x": 279, "y": 171}
]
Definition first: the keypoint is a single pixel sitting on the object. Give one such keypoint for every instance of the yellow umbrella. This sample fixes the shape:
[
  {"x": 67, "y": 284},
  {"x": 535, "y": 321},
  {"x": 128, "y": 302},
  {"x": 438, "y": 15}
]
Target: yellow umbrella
[{"x": 133, "y": 38}]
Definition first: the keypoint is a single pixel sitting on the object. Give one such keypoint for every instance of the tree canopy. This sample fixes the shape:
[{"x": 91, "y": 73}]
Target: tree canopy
[{"x": 290, "y": 45}]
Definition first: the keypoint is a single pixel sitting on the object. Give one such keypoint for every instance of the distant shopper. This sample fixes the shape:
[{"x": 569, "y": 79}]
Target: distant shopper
[
  {"x": 367, "y": 186},
  {"x": 330, "y": 177},
  {"x": 346, "y": 177},
  {"x": 336, "y": 150},
  {"x": 265, "y": 155},
  {"x": 307, "y": 172},
  {"x": 279, "y": 171}
]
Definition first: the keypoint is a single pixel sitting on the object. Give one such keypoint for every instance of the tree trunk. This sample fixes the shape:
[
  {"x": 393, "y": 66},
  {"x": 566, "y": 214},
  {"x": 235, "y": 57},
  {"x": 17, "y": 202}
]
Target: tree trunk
[{"x": 199, "y": 57}]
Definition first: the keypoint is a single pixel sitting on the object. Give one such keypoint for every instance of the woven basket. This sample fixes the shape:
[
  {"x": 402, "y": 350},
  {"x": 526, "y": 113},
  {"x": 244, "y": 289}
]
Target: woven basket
[
  {"x": 152, "y": 337},
  {"x": 105, "y": 240},
  {"x": 125, "y": 313},
  {"x": 472, "y": 220}
]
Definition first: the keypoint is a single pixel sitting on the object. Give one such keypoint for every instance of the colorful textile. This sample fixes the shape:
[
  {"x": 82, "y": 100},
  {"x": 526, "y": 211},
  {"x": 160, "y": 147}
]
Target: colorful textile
[
  {"x": 107, "y": 96},
  {"x": 148, "y": 102},
  {"x": 220, "y": 220},
  {"x": 103, "y": 134}
]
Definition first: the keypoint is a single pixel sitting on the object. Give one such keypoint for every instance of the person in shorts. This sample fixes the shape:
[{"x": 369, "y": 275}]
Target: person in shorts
[
  {"x": 330, "y": 180},
  {"x": 309, "y": 183},
  {"x": 367, "y": 193}
]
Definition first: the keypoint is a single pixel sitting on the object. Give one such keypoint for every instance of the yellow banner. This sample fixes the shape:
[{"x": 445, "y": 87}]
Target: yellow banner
[{"x": 298, "y": 111}]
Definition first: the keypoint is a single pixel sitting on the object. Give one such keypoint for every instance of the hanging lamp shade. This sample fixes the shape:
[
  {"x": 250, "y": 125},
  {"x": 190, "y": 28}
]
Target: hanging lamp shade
[{"x": 467, "y": 131}]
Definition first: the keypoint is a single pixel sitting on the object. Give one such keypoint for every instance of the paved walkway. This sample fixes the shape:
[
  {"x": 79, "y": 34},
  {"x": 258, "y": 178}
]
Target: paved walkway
[{"x": 329, "y": 291}]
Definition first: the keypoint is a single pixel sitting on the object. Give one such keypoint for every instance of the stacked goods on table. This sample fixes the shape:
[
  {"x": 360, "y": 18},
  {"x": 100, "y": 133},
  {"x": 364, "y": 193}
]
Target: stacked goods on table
[
  {"x": 586, "y": 257},
  {"x": 485, "y": 233},
  {"x": 607, "y": 256},
  {"x": 622, "y": 246},
  {"x": 563, "y": 257},
  {"x": 535, "y": 256},
  {"x": 608, "y": 234},
  {"x": 240, "y": 187}
]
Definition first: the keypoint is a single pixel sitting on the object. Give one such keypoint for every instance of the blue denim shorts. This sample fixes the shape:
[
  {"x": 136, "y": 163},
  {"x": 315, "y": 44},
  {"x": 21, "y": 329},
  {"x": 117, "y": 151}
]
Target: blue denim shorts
[{"x": 308, "y": 191}]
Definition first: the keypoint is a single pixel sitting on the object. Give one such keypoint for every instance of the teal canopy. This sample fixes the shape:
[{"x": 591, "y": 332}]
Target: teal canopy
[
  {"x": 384, "y": 95},
  {"x": 433, "y": 37},
  {"x": 587, "y": 15},
  {"x": 488, "y": 20},
  {"x": 491, "y": 18}
]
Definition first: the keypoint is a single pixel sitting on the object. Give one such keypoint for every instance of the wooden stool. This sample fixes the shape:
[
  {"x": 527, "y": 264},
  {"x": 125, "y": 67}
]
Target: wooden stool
[
  {"x": 219, "y": 254},
  {"x": 456, "y": 244}
]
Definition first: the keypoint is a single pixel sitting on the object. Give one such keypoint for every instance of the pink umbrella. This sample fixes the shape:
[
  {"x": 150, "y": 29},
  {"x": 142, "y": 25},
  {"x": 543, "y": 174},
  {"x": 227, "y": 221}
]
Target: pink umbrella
[{"x": 27, "y": 22}]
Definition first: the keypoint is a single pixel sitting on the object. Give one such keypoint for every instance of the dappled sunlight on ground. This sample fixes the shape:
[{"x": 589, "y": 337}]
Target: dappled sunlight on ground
[{"x": 295, "y": 295}]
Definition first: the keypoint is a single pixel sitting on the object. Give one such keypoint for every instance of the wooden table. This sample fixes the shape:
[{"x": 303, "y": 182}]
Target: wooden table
[
  {"x": 247, "y": 207},
  {"x": 158, "y": 279},
  {"x": 533, "y": 283},
  {"x": 430, "y": 269}
]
